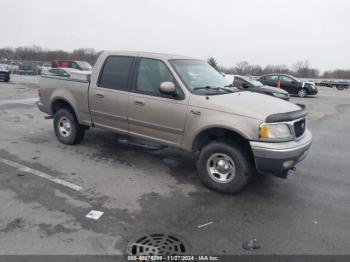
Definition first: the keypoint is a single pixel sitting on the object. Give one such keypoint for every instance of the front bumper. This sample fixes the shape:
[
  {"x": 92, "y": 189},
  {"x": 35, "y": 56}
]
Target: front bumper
[
  {"x": 275, "y": 158},
  {"x": 313, "y": 92},
  {"x": 4, "y": 76}
]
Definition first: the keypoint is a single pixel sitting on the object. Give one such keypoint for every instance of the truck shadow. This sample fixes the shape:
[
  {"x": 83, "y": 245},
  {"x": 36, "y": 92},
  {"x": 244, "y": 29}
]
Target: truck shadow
[{"x": 144, "y": 155}]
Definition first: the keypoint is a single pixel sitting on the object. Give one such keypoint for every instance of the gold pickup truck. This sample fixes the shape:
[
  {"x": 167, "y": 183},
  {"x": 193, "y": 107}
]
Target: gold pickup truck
[{"x": 181, "y": 102}]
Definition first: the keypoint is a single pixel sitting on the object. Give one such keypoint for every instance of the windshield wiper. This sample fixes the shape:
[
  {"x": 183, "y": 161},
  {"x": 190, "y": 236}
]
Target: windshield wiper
[{"x": 216, "y": 88}]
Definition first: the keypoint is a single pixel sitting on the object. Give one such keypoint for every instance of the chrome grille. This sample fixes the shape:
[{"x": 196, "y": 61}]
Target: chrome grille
[{"x": 299, "y": 127}]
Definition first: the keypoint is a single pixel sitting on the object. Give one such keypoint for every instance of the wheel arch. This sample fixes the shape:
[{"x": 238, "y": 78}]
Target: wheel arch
[
  {"x": 217, "y": 133},
  {"x": 60, "y": 102}
]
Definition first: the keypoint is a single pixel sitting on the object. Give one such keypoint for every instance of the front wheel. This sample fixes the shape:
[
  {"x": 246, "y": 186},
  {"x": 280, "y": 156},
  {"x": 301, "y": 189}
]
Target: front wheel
[
  {"x": 302, "y": 93},
  {"x": 67, "y": 128},
  {"x": 224, "y": 167}
]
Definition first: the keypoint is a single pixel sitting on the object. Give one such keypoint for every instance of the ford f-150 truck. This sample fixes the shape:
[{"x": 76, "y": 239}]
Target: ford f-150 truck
[{"x": 181, "y": 102}]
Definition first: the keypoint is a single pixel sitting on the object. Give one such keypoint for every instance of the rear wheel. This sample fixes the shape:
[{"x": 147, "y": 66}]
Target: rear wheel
[
  {"x": 341, "y": 88},
  {"x": 302, "y": 92},
  {"x": 67, "y": 128},
  {"x": 224, "y": 166}
]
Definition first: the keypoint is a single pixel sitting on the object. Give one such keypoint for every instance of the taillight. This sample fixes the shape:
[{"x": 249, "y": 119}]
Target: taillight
[{"x": 39, "y": 92}]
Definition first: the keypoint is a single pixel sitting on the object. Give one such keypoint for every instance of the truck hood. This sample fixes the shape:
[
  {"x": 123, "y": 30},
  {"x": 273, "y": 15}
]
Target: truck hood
[{"x": 245, "y": 103}]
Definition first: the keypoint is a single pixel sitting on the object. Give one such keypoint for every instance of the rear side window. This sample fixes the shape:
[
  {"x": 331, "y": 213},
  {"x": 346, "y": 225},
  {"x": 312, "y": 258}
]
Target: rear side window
[
  {"x": 115, "y": 72},
  {"x": 272, "y": 78}
]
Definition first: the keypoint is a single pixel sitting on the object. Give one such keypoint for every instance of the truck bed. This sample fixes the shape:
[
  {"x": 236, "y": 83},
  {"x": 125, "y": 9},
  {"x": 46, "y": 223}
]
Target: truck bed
[{"x": 72, "y": 89}]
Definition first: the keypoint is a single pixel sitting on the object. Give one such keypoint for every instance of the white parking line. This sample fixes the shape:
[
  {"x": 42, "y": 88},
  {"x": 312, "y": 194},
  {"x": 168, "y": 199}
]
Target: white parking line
[
  {"x": 206, "y": 224},
  {"x": 25, "y": 101},
  {"x": 23, "y": 168}
]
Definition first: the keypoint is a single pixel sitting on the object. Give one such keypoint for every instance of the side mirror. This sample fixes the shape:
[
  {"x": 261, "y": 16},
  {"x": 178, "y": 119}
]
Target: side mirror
[{"x": 167, "y": 88}]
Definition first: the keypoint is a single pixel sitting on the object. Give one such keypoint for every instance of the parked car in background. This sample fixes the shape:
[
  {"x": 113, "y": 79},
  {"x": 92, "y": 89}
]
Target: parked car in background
[
  {"x": 4, "y": 74},
  {"x": 338, "y": 84},
  {"x": 26, "y": 69},
  {"x": 61, "y": 72},
  {"x": 289, "y": 83},
  {"x": 45, "y": 68},
  {"x": 79, "y": 65},
  {"x": 68, "y": 73},
  {"x": 13, "y": 67},
  {"x": 180, "y": 102},
  {"x": 246, "y": 83}
]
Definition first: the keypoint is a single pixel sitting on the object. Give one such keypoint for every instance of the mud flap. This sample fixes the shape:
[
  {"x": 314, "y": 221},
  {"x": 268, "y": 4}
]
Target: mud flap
[{"x": 283, "y": 174}]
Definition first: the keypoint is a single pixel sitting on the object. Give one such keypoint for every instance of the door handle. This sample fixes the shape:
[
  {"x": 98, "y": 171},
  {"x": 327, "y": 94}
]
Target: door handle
[
  {"x": 139, "y": 102},
  {"x": 195, "y": 112},
  {"x": 99, "y": 95}
]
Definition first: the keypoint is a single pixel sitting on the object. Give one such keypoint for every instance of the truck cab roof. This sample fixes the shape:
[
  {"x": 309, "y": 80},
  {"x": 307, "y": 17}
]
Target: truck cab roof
[{"x": 146, "y": 54}]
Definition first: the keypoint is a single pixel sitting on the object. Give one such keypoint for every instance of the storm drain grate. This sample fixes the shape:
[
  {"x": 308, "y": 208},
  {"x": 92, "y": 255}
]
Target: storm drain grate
[{"x": 158, "y": 244}]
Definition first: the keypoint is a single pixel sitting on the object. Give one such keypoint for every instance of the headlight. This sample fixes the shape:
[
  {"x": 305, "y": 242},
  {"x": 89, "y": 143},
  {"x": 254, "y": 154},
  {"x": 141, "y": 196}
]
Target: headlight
[
  {"x": 275, "y": 132},
  {"x": 279, "y": 95}
]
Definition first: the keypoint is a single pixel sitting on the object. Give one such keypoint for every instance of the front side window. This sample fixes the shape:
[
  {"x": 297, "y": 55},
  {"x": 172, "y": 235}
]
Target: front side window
[
  {"x": 115, "y": 72},
  {"x": 151, "y": 74},
  {"x": 286, "y": 79}
]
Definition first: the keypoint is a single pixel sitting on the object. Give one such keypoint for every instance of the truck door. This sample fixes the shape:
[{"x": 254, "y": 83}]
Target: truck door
[
  {"x": 108, "y": 97},
  {"x": 154, "y": 115}
]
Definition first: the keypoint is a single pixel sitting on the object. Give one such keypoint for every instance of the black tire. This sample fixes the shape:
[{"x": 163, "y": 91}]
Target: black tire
[
  {"x": 244, "y": 166},
  {"x": 76, "y": 131},
  {"x": 340, "y": 88},
  {"x": 7, "y": 80},
  {"x": 302, "y": 92}
]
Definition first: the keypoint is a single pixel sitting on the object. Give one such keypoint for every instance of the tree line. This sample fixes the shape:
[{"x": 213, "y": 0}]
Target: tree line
[
  {"x": 36, "y": 53},
  {"x": 301, "y": 69}
]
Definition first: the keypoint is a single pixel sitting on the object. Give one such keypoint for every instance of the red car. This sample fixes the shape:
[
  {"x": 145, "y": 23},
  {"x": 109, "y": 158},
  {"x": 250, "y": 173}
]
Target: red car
[{"x": 79, "y": 65}]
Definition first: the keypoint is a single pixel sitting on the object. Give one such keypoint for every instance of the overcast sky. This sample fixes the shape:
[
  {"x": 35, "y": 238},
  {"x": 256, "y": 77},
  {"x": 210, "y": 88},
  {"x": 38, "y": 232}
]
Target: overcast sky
[{"x": 258, "y": 31}]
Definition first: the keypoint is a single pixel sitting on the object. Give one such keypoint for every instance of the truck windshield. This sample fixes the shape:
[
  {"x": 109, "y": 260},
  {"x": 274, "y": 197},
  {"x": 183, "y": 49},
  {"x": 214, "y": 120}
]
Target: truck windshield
[{"x": 200, "y": 77}]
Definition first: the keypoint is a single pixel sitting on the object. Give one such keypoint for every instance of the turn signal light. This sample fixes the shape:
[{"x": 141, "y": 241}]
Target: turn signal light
[{"x": 264, "y": 132}]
